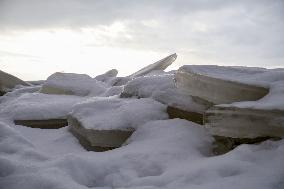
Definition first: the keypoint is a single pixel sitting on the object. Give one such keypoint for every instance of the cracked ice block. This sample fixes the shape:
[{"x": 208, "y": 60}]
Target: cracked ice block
[
  {"x": 219, "y": 85},
  {"x": 159, "y": 65},
  {"x": 239, "y": 122}
]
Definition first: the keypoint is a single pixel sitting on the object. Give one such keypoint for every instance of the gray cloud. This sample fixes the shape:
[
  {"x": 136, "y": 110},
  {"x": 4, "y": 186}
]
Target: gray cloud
[{"x": 244, "y": 31}]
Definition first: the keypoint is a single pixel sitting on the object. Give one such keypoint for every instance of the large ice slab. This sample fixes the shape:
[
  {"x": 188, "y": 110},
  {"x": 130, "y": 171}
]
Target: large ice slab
[
  {"x": 250, "y": 119},
  {"x": 8, "y": 81},
  {"x": 98, "y": 140},
  {"x": 105, "y": 113},
  {"x": 73, "y": 84},
  {"x": 159, "y": 65},
  {"x": 244, "y": 122},
  {"x": 105, "y": 123},
  {"x": 219, "y": 84}
]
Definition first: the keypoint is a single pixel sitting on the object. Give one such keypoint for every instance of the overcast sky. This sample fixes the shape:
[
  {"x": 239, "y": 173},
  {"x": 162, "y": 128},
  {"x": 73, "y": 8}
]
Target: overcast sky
[{"x": 39, "y": 37}]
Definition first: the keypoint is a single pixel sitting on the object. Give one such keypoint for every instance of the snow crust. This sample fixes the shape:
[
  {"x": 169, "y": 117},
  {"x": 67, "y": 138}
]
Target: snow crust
[
  {"x": 248, "y": 75},
  {"x": 114, "y": 113}
]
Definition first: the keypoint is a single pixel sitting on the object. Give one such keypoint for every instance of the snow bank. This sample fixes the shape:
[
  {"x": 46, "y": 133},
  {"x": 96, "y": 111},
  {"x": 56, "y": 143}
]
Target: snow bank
[
  {"x": 73, "y": 84},
  {"x": 161, "y": 88},
  {"x": 115, "y": 113},
  {"x": 160, "y": 154},
  {"x": 37, "y": 106}
]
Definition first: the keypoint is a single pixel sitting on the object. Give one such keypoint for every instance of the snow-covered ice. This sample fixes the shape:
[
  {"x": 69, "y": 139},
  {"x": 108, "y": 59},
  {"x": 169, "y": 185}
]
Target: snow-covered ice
[
  {"x": 73, "y": 84},
  {"x": 247, "y": 75},
  {"x": 37, "y": 106},
  {"x": 162, "y": 88},
  {"x": 105, "y": 113}
]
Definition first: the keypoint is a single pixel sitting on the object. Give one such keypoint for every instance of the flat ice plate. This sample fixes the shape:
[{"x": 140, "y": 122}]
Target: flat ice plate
[{"x": 244, "y": 122}]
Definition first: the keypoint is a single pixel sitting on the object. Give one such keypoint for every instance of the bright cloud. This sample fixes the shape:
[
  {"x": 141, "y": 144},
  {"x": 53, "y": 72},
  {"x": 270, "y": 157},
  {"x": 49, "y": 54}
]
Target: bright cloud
[{"x": 40, "y": 37}]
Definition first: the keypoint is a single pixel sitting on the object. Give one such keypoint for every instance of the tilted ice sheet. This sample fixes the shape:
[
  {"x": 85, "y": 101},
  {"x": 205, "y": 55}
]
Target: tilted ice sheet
[
  {"x": 159, "y": 66},
  {"x": 115, "y": 113}
]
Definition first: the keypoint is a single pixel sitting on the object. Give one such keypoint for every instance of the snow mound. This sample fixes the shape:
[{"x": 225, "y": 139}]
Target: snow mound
[
  {"x": 114, "y": 113},
  {"x": 73, "y": 84}
]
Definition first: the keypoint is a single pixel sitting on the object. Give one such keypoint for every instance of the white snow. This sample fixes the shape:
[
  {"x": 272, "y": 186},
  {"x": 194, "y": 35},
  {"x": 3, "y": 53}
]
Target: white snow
[
  {"x": 115, "y": 113},
  {"x": 247, "y": 75},
  {"x": 160, "y": 154}
]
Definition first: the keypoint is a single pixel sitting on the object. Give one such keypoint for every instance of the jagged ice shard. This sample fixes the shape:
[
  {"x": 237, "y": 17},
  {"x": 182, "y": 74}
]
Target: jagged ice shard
[{"x": 160, "y": 65}]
